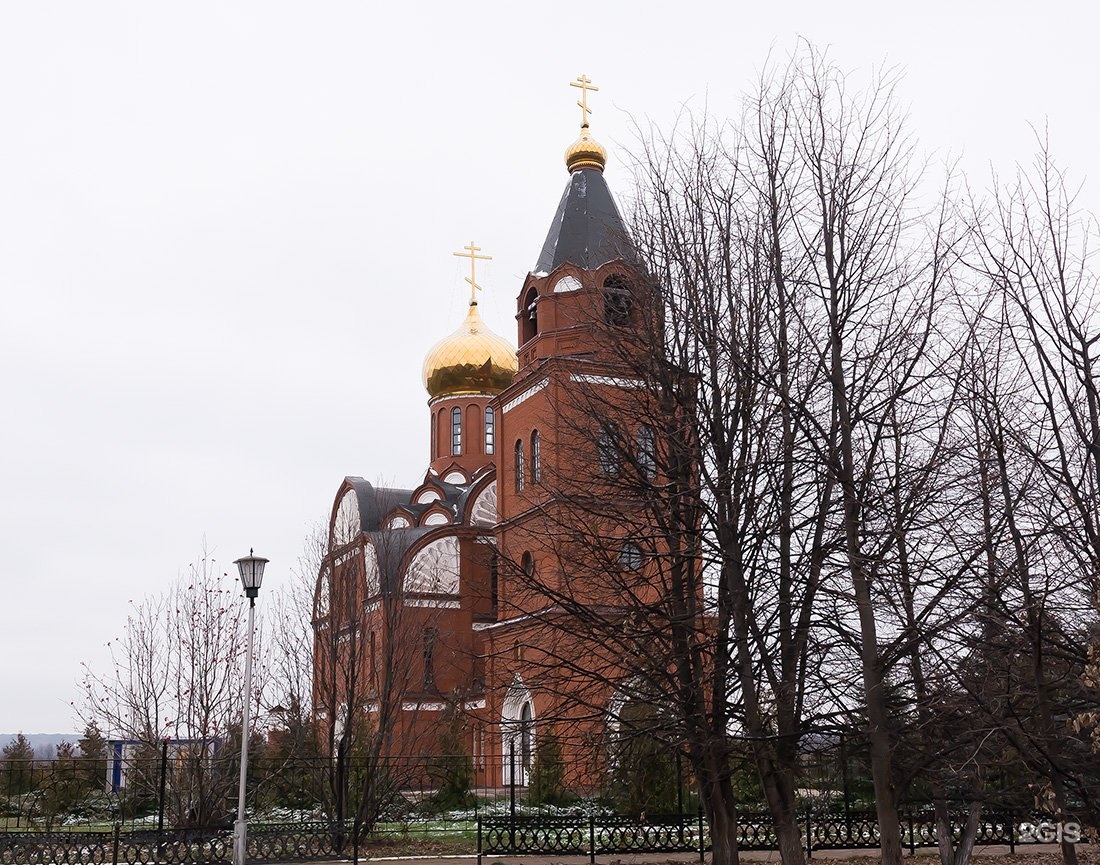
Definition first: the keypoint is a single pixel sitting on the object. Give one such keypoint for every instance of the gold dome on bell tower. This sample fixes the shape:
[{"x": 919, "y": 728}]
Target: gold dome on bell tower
[
  {"x": 586, "y": 151},
  {"x": 473, "y": 359}
]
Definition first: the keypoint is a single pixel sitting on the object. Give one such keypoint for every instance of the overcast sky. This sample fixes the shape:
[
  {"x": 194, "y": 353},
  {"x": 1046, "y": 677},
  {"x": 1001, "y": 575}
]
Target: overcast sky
[{"x": 226, "y": 234}]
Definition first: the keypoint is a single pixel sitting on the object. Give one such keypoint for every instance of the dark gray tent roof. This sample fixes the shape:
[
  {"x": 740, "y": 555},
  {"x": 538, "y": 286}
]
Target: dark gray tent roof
[{"x": 587, "y": 229}]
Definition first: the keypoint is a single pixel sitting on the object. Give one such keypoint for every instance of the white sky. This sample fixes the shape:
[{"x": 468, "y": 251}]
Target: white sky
[{"x": 226, "y": 234}]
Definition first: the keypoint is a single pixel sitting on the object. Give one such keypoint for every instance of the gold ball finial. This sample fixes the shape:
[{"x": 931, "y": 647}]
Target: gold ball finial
[{"x": 586, "y": 151}]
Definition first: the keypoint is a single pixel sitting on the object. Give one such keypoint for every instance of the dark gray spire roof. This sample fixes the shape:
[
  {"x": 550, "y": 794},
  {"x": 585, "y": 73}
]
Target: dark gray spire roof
[{"x": 587, "y": 229}]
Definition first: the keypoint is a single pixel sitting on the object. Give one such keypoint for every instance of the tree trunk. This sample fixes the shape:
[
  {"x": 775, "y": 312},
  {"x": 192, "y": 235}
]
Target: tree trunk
[
  {"x": 949, "y": 853},
  {"x": 721, "y": 811}
]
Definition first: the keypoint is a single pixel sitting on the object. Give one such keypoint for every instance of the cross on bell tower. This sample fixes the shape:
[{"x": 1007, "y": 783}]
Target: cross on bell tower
[{"x": 585, "y": 84}]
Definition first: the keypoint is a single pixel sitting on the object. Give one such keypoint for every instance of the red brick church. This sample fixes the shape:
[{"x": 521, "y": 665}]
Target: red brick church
[{"x": 461, "y": 585}]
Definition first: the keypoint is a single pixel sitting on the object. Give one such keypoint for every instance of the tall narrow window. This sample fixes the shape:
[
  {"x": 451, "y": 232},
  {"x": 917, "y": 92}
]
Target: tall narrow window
[
  {"x": 490, "y": 430},
  {"x": 494, "y": 582},
  {"x": 608, "y": 453},
  {"x": 373, "y": 659},
  {"x": 430, "y": 636},
  {"x": 435, "y": 434},
  {"x": 647, "y": 453},
  {"x": 456, "y": 431},
  {"x": 519, "y": 466},
  {"x": 536, "y": 460}
]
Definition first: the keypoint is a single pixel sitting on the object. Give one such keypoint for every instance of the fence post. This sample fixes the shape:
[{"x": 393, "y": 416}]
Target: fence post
[
  {"x": 1011, "y": 832},
  {"x": 912, "y": 835},
  {"x": 809, "y": 834},
  {"x": 512, "y": 796},
  {"x": 680, "y": 795},
  {"x": 702, "y": 838},
  {"x": 479, "y": 840},
  {"x": 592, "y": 839},
  {"x": 114, "y": 847}
]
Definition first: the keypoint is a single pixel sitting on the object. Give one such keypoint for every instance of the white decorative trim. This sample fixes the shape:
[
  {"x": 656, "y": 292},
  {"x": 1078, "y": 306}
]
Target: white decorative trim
[
  {"x": 410, "y": 706},
  {"x": 608, "y": 380},
  {"x": 484, "y": 626},
  {"x": 428, "y": 495},
  {"x": 473, "y": 704},
  {"x": 567, "y": 283},
  {"x": 527, "y": 394},
  {"x": 456, "y": 477},
  {"x": 435, "y": 603}
]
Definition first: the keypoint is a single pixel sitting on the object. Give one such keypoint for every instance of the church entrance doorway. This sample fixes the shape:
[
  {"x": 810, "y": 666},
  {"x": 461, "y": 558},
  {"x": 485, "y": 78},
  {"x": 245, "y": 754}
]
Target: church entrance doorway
[{"x": 517, "y": 724}]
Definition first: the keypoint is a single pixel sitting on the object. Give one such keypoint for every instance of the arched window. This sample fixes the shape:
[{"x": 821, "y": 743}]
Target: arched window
[
  {"x": 519, "y": 465},
  {"x": 435, "y": 434},
  {"x": 647, "y": 452},
  {"x": 456, "y": 431},
  {"x": 527, "y": 562},
  {"x": 490, "y": 430},
  {"x": 536, "y": 461},
  {"x": 630, "y": 556},
  {"x": 618, "y": 304},
  {"x": 608, "y": 453},
  {"x": 529, "y": 315}
]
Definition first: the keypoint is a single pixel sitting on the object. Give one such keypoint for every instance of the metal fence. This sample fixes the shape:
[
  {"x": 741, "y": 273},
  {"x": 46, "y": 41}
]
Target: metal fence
[{"x": 609, "y": 834}]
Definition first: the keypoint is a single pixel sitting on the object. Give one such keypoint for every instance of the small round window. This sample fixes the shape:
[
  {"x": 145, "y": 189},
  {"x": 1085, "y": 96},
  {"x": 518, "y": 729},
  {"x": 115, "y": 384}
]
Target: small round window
[{"x": 630, "y": 556}]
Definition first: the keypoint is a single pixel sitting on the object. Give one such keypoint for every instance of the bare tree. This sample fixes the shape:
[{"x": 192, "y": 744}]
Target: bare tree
[
  {"x": 1034, "y": 248},
  {"x": 176, "y": 674}
]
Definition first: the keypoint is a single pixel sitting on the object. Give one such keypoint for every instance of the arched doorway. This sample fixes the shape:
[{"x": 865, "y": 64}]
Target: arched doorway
[{"x": 517, "y": 727}]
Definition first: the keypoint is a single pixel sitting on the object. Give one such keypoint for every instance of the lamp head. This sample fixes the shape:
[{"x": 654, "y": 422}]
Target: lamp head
[{"x": 252, "y": 573}]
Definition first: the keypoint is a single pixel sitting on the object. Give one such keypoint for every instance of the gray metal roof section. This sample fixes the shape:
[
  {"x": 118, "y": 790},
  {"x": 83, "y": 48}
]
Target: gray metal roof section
[
  {"x": 375, "y": 502},
  {"x": 587, "y": 229}
]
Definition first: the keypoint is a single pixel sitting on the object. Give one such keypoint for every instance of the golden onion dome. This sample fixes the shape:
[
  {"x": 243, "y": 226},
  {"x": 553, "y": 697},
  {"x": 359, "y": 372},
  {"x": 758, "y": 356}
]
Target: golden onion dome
[
  {"x": 585, "y": 152},
  {"x": 473, "y": 359}
]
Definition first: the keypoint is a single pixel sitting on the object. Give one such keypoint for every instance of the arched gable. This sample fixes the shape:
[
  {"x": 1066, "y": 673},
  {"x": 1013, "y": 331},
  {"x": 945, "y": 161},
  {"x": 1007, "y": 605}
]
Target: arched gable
[
  {"x": 434, "y": 568},
  {"x": 482, "y": 510}
]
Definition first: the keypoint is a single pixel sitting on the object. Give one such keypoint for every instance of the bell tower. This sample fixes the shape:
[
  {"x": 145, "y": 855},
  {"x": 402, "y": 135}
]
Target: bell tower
[{"x": 578, "y": 313}]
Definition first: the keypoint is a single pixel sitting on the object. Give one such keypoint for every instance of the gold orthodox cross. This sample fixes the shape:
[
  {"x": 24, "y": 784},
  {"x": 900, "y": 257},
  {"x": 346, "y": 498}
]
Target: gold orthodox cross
[
  {"x": 585, "y": 84},
  {"x": 472, "y": 253}
]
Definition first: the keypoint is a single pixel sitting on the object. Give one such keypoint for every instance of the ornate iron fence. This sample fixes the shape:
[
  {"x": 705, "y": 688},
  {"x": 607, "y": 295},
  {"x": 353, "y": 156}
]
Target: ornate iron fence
[
  {"x": 299, "y": 842},
  {"x": 595, "y": 834}
]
